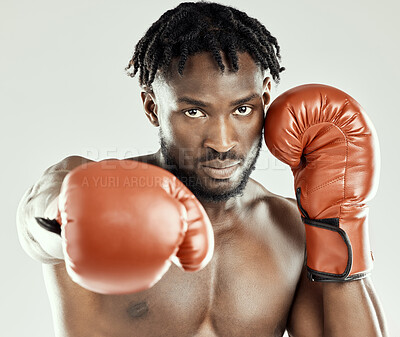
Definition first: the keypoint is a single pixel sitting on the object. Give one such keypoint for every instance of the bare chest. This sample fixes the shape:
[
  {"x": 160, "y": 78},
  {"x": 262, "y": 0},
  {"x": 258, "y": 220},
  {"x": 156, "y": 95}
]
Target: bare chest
[{"x": 246, "y": 290}]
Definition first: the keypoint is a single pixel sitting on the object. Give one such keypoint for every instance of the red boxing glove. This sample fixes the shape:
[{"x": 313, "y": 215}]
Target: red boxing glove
[
  {"x": 332, "y": 148},
  {"x": 122, "y": 223}
]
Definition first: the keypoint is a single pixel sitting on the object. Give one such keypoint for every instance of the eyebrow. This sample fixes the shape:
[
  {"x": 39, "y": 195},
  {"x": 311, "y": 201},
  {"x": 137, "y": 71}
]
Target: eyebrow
[{"x": 192, "y": 101}]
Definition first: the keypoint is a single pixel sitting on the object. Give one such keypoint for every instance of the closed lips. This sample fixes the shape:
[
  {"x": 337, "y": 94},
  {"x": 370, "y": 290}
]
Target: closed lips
[
  {"x": 222, "y": 171},
  {"x": 220, "y": 165}
]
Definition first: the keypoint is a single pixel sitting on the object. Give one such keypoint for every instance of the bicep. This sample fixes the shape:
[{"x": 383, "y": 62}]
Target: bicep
[{"x": 306, "y": 317}]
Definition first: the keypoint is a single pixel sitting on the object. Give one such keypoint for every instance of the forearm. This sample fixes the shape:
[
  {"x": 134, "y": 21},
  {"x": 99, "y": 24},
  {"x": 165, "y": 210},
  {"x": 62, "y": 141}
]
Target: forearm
[{"x": 352, "y": 309}]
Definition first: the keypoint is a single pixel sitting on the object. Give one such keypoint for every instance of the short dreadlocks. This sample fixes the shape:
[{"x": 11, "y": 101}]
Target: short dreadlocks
[{"x": 194, "y": 27}]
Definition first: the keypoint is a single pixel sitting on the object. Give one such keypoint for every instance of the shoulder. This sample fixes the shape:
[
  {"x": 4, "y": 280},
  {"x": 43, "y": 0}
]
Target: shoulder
[
  {"x": 73, "y": 161},
  {"x": 149, "y": 158},
  {"x": 68, "y": 164},
  {"x": 281, "y": 212}
]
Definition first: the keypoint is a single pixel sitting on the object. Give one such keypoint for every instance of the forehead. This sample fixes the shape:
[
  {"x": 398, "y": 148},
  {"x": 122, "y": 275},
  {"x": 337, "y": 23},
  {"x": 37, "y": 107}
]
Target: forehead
[{"x": 202, "y": 76}]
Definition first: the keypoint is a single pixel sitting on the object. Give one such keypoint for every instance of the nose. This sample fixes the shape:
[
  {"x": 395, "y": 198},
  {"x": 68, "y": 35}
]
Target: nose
[{"x": 221, "y": 135}]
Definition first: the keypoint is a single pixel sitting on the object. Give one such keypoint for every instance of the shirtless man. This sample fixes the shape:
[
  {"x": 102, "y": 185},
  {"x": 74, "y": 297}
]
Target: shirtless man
[{"x": 202, "y": 69}]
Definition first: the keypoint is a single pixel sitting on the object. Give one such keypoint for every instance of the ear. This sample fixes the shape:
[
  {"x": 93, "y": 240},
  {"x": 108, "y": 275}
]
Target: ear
[
  {"x": 150, "y": 107},
  {"x": 266, "y": 91}
]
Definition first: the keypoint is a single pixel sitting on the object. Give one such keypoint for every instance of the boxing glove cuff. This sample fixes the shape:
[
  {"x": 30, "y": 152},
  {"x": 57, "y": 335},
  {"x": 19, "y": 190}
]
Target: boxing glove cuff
[{"x": 336, "y": 252}]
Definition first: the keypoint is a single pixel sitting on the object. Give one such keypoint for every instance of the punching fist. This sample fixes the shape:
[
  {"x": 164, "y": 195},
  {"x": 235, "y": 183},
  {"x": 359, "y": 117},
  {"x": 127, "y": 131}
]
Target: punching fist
[
  {"x": 122, "y": 223},
  {"x": 332, "y": 148}
]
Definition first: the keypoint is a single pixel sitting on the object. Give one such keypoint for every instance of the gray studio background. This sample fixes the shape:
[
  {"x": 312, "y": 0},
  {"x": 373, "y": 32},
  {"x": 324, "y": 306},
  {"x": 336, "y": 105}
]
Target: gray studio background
[{"x": 63, "y": 91}]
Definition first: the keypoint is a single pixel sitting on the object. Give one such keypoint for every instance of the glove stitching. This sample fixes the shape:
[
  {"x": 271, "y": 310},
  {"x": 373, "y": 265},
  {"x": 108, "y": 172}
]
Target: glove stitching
[
  {"x": 324, "y": 103},
  {"x": 337, "y": 141},
  {"x": 345, "y": 175},
  {"x": 327, "y": 129},
  {"x": 332, "y": 124},
  {"x": 325, "y": 184}
]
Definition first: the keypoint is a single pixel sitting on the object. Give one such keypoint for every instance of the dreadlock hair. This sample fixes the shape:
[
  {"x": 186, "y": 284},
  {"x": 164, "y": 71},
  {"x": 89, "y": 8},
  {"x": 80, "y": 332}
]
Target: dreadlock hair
[{"x": 194, "y": 27}]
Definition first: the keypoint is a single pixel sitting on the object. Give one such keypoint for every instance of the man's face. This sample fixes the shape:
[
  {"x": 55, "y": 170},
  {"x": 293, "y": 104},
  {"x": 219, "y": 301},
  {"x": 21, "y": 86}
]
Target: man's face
[{"x": 210, "y": 123}]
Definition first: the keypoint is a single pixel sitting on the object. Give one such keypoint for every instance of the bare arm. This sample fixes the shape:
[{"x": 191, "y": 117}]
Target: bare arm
[
  {"x": 352, "y": 309},
  {"x": 41, "y": 201},
  {"x": 336, "y": 309}
]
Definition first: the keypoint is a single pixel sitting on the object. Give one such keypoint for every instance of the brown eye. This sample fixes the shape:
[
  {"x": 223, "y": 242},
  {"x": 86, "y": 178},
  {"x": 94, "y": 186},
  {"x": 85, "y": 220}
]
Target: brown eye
[
  {"x": 194, "y": 113},
  {"x": 243, "y": 111}
]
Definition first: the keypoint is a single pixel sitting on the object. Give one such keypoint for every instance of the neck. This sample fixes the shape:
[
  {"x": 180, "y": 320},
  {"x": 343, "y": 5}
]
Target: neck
[{"x": 217, "y": 211}]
